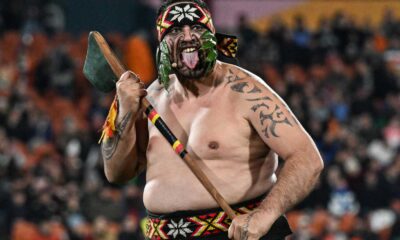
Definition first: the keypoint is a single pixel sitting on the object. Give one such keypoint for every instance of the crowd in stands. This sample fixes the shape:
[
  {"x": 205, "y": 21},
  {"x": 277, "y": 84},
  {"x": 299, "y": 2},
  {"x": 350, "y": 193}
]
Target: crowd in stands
[{"x": 341, "y": 80}]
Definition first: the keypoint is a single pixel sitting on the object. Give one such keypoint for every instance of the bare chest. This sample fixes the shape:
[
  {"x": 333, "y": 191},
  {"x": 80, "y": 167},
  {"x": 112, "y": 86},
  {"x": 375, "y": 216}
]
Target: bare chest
[{"x": 209, "y": 128}]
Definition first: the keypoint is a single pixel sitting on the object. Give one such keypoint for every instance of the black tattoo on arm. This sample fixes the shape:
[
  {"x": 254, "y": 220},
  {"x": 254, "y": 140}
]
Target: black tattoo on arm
[
  {"x": 257, "y": 106},
  {"x": 255, "y": 90},
  {"x": 271, "y": 115},
  {"x": 275, "y": 117},
  {"x": 238, "y": 87},
  {"x": 109, "y": 146},
  {"x": 232, "y": 77},
  {"x": 258, "y": 99}
]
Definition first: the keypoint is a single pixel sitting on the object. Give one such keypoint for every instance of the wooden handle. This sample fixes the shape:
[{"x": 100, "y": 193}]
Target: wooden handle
[
  {"x": 118, "y": 70},
  {"x": 209, "y": 186}
]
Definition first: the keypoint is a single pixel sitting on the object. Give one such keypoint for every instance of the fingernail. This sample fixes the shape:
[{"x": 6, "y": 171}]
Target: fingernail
[
  {"x": 125, "y": 75},
  {"x": 132, "y": 74}
]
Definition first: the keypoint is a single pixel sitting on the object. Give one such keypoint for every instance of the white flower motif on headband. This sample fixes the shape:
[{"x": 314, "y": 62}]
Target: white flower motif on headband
[{"x": 186, "y": 12}]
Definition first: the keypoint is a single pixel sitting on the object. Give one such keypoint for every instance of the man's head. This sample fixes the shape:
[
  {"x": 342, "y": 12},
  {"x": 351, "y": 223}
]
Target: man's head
[{"x": 186, "y": 35}]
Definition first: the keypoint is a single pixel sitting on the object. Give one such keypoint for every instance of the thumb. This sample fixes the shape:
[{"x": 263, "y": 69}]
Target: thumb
[{"x": 231, "y": 230}]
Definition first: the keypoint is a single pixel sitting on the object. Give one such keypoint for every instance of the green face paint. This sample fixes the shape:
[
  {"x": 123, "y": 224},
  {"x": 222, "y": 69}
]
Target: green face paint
[
  {"x": 164, "y": 63},
  {"x": 209, "y": 47}
]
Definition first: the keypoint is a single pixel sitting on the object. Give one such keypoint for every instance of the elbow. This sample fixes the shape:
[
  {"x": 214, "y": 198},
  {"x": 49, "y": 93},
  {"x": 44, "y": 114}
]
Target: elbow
[
  {"x": 317, "y": 165},
  {"x": 121, "y": 175},
  {"x": 315, "y": 161},
  {"x": 113, "y": 178}
]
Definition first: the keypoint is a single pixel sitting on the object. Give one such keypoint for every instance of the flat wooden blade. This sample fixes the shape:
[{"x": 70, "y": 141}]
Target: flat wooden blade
[{"x": 96, "y": 68}]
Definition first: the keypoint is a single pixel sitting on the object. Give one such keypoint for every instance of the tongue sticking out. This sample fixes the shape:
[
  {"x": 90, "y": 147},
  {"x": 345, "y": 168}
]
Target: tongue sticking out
[{"x": 190, "y": 59}]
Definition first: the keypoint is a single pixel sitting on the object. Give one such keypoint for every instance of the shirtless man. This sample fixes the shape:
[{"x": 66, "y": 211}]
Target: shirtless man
[{"x": 231, "y": 122}]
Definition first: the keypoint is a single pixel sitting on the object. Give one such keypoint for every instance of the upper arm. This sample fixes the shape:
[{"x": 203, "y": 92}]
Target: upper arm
[{"x": 272, "y": 119}]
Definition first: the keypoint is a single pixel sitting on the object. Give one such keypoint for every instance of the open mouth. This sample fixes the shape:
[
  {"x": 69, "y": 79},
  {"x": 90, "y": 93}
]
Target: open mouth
[{"x": 190, "y": 57}]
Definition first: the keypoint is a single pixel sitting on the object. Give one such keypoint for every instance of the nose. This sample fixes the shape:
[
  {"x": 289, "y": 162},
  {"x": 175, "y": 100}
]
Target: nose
[{"x": 187, "y": 33}]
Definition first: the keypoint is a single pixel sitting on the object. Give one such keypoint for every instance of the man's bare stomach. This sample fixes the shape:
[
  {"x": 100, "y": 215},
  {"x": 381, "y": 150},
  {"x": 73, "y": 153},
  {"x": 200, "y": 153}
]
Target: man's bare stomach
[{"x": 171, "y": 186}]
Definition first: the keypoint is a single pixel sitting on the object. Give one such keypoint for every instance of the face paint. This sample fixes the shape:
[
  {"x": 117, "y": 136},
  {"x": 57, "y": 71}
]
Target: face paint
[
  {"x": 164, "y": 63},
  {"x": 209, "y": 46},
  {"x": 192, "y": 60},
  {"x": 189, "y": 59}
]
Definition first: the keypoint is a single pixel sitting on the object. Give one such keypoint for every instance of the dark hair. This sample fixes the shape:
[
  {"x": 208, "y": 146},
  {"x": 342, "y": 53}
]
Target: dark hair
[{"x": 167, "y": 3}]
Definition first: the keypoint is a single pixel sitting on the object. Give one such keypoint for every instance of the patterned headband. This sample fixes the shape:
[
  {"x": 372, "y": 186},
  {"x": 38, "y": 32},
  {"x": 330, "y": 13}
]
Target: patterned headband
[{"x": 183, "y": 13}]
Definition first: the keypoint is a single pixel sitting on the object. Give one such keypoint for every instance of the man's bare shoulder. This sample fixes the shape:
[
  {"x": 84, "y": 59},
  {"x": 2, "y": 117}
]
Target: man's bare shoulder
[{"x": 243, "y": 82}]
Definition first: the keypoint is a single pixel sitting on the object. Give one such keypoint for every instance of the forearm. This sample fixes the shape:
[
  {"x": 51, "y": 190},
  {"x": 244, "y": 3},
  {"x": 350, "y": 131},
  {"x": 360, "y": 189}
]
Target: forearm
[
  {"x": 297, "y": 178},
  {"x": 120, "y": 152}
]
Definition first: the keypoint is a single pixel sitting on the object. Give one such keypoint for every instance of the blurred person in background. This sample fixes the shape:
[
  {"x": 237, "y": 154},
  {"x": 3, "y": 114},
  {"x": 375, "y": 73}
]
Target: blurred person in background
[{"x": 130, "y": 229}]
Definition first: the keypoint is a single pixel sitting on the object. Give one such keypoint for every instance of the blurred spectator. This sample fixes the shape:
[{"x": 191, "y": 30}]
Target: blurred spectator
[
  {"x": 342, "y": 199},
  {"x": 325, "y": 39},
  {"x": 55, "y": 73},
  {"x": 247, "y": 34},
  {"x": 390, "y": 24},
  {"x": 102, "y": 229},
  {"x": 130, "y": 229},
  {"x": 301, "y": 36}
]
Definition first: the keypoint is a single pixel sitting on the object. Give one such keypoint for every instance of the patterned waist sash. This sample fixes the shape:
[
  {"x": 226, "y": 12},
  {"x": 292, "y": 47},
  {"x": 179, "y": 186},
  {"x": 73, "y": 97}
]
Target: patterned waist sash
[{"x": 194, "y": 224}]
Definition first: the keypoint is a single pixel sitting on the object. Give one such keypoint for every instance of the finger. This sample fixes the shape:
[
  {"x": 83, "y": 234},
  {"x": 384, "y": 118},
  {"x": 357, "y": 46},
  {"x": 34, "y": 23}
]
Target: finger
[
  {"x": 125, "y": 76},
  {"x": 237, "y": 233},
  {"x": 139, "y": 85},
  {"x": 125, "y": 85},
  {"x": 230, "y": 231},
  {"x": 142, "y": 92},
  {"x": 129, "y": 76},
  {"x": 134, "y": 76},
  {"x": 134, "y": 86}
]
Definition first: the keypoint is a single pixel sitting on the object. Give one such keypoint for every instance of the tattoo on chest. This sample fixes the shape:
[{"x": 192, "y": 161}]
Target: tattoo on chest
[
  {"x": 270, "y": 114},
  {"x": 108, "y": 147}
]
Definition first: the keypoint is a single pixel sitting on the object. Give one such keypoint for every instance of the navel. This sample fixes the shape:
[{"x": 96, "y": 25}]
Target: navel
[{"x": 213, "y": 145}]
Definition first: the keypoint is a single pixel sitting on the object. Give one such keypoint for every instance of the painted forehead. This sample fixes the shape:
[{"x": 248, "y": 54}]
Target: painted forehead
[{"x": 183, "y": 13}]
